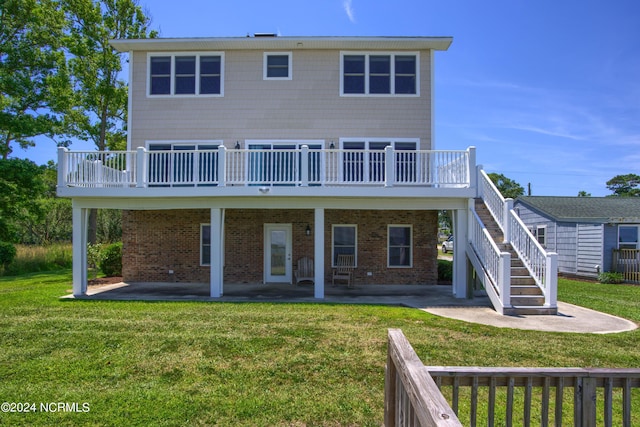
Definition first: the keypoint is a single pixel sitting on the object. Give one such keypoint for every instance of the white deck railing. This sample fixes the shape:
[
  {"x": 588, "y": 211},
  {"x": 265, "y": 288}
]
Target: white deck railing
[
  {"x": 542, "y": 265},
  {"x": 492, "y": 262},
  {"x": 292, "y": 167}
]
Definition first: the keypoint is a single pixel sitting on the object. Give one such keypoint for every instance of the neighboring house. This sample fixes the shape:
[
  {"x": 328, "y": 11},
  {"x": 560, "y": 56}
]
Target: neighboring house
[
  {"x": 585, "y": 232},
  {"x": 247, "y": 154}
]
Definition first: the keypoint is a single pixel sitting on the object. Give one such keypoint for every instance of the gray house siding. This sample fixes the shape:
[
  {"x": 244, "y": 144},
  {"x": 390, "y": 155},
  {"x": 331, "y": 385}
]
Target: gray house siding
[
  {"x": 566, "y": 247},
  {"x": 308, "y": 106},
  {"x": 590, "y": 258},
  {"x": 610, "y": 243}
]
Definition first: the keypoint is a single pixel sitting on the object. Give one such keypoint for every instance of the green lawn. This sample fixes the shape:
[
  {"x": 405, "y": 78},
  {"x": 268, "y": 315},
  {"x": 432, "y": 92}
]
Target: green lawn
[{"x": 183, "y": 363}]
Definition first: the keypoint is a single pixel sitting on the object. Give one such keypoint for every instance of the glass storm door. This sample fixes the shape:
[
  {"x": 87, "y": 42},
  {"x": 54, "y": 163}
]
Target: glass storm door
[{"x": 277, "y": 253}]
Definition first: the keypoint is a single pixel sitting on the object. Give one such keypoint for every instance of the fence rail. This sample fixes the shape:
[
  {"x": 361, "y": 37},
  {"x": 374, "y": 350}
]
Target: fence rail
[
  {"x": 627, "y": 262},
  {"x": 543, "y": 392},
  {"x": 302, "y": 166},
  {"x": 504, "y": 396}
]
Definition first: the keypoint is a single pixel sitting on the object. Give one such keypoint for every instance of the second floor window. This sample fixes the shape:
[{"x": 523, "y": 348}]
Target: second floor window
[
  {"x": 277, "y": 66},
  {"x": 379, "y": 74},
  {"x": 197, "y": 74}
]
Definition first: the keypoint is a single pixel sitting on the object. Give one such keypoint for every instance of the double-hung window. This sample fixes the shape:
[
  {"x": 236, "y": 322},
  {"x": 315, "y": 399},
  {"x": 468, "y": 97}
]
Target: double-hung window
[
  {"x": 277, "y": 66},
  {"x": 379, "y": 74},
  {"x": 400, "y": 245},
  {"x": 194, "y": 74},
  {"x": 205, "y": 244},
  {"x": 628, "y": 237},
  {"x": 344, "y": 241}
]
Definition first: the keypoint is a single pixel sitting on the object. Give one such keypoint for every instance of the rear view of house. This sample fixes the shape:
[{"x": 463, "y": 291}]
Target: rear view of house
[{"x": 247, "y": 155}]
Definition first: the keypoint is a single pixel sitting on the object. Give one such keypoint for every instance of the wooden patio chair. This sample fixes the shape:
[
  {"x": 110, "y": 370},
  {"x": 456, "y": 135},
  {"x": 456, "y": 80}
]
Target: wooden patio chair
[
  {"x": 304, "y": 271},
  {"x": 343, "y": 270}
]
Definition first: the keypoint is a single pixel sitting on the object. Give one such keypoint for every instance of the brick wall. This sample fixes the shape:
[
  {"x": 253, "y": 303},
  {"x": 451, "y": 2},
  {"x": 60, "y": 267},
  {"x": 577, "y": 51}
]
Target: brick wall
[{"x": 158, "y": 241}]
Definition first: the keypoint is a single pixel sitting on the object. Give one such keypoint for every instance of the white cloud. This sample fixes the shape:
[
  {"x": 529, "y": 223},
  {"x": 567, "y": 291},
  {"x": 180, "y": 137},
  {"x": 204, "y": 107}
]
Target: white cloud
[{"x": 348, "y": 8}]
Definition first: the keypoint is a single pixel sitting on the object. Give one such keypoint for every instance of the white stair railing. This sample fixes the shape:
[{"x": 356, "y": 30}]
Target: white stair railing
[
  {"x": 491, "y": 262},
  {"x": 542, "y": 265}
]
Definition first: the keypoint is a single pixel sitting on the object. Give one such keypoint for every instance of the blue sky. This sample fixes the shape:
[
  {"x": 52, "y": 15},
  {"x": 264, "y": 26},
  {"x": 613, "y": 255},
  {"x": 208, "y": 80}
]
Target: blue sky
[{"x": 548, "y": 91}]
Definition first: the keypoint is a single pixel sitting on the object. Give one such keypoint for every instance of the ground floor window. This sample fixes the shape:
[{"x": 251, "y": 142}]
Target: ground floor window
[
  {"x": 205, "y": 244},
  {"x": 344, "y": 241},
  {"x": 628, "y": 237},
  {"x": 399, "y": 245},
  {"x": 541, "y": 235}
]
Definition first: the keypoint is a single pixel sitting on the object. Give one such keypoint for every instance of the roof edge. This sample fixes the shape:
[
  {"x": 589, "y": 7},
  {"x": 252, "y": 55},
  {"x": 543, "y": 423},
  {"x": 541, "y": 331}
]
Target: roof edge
[{"x": 293, "y": 43}]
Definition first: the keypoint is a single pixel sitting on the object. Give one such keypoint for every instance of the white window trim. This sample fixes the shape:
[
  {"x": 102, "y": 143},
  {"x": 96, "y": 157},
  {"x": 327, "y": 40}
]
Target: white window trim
[
  {"x": 171, "y": 93},
  {"x": 172, "y": 142},
  {"x": 202, "y": 225},
  {"x": 628, "y": 243},
  {"x": 537, "y": 234},
  {"x": 410, "y": 227},
  {"x": 264, "y": 65},
  {"x": 367, "y": 54},
  {"x": 333, "y": 255}
]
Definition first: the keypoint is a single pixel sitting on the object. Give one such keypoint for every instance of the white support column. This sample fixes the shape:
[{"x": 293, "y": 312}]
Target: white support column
[
  {"x": 217, "y": 251},
  {"x": 318, "y": 253},
  {"x": 80, "y": 221},
  {"x": 460, "y": 230}
]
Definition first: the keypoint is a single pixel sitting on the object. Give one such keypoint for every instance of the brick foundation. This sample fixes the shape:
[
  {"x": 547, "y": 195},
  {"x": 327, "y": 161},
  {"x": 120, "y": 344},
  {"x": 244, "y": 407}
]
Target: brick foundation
[{"x": 155, "y": 242}]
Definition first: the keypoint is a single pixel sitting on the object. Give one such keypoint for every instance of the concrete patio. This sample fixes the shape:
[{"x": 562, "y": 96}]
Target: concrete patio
[{"x": 436, "y": 300}]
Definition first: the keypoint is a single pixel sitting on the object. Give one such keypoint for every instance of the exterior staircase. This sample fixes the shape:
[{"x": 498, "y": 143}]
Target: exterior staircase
[{"x": 526, "y": 296}]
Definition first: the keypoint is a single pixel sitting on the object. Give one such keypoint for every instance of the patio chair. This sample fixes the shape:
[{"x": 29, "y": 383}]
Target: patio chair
[
  {"x": 304, "y": 271},
  {"x": 344, "y": 270}
]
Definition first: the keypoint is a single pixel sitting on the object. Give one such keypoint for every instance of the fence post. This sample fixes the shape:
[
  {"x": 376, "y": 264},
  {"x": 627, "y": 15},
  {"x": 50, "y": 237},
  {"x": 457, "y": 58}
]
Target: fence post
[
  {"x": 304, "y": 166},
  {"x": 471, "y": 167},
  {"x": 62, "y": 166},
  {"x": 551, "y": 282},
  {"x": 222, "y": 166},
  {"x": 508, "y": 206},
  {"x": 141, "y": 163},
  {"x": 389, "y": 166},
  {"x": 505, "y": 279},
  {"x": 390, "y": 396}
]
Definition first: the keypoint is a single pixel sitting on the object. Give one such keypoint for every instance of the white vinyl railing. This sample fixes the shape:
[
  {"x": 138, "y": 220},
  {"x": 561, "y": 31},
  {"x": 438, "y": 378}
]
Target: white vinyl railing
[
  {"x": 493, "y": 262},
  {"x": 97, "y": 168},
  {"x": 289, "y": 167},
  {"x": 542, "y": 265}
]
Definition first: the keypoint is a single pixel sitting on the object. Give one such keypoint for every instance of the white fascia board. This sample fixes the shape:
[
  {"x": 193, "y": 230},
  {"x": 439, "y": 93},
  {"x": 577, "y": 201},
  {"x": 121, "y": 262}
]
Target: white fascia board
[{"x": 282, "y": 43}]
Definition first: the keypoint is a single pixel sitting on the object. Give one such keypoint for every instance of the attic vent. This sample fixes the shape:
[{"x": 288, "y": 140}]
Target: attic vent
[{"x": 265, "y": 35}]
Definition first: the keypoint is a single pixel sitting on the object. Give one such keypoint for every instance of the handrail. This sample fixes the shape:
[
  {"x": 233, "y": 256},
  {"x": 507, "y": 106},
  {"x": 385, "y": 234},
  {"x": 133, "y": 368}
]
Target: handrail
[
  {"x": 303, "y": 166},
  {"x": 539, "y": 384},
  {"x": 495, "y": 262},
  {"x": 411, "y": 396},
  {"x": 542, "y": 265}
]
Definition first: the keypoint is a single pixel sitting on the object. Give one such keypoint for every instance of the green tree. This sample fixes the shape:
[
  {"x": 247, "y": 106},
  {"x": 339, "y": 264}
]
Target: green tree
[
  {"x": 21, "y": 185},
  {"x": 507, "y": 187},
  {"x": 583, "y": 193},
  {"x": 100, "y": 102},
  {"x": 33, "y": 79},
  {"x": 625, "y": 185}
]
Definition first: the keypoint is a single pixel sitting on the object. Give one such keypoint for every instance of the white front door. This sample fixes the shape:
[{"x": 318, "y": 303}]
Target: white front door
[{"x": 277, "y": 253}]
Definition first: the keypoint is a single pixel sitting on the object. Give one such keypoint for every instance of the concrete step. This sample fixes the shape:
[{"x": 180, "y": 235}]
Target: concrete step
[{"x": 526, "y": 310}]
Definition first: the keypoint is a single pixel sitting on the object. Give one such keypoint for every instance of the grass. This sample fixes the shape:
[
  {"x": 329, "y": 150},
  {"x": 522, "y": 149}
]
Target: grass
[
  {"x": 192, "y": 363},
  {"x": 31, "y": 258}
]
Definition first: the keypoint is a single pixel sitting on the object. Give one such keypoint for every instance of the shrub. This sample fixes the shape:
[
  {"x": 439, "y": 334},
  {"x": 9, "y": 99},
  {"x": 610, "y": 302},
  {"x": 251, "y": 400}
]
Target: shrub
[
  {"x": 445, "y": 270},
  {"x": 610, "y": 278},
  {"x": 111, "y": 260},
  {"x": 7, "y": 254}
]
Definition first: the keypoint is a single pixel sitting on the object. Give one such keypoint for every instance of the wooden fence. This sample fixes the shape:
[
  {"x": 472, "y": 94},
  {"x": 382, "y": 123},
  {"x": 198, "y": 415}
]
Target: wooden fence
[
  {"x": 627, "y": 262},
  {"x": 509, "y": 396}
]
